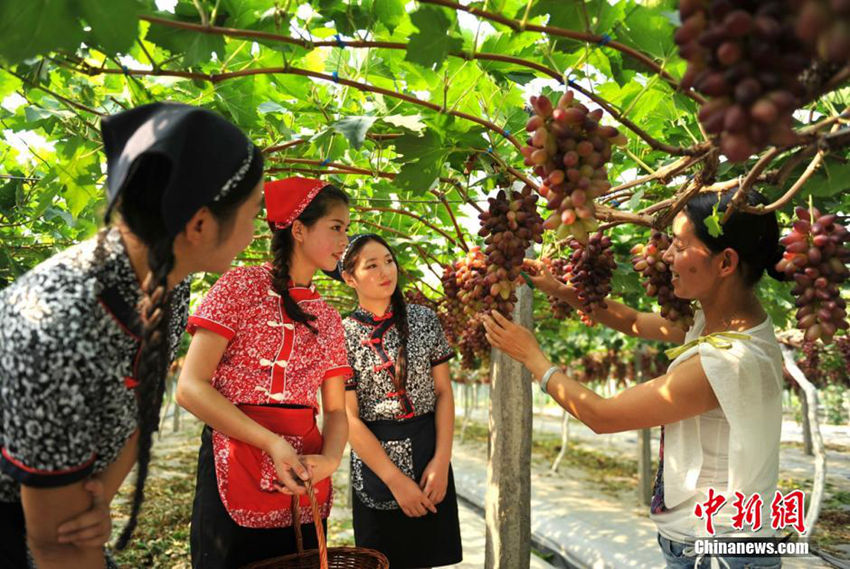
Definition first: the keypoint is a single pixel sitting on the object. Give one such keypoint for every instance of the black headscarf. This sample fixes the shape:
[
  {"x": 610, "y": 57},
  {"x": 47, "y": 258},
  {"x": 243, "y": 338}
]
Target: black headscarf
[{"x": 207, "y": 157}]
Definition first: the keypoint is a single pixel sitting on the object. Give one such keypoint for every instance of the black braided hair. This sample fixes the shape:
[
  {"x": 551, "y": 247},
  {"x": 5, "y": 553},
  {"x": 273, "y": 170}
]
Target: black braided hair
[
  {"x": 140, "y": 210},
  {"x": 283, "y": 245},
  {"x": 399, "y": 305}
]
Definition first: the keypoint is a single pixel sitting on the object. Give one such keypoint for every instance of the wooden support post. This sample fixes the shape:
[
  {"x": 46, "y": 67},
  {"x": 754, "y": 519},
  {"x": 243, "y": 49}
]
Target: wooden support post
[
  {"x": 645, "y": 478},
  {"x": 810, "y": 395},
  {"x": 808, "y": 444},
  {"x": 508, "y": 498}
]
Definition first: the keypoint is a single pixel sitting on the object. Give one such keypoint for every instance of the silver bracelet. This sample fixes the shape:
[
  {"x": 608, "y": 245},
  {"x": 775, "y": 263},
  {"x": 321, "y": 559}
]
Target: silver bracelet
[{"x": 544, "y": 381}]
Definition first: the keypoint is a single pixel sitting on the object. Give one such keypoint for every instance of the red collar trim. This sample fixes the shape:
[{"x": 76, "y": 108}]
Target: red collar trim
[{"x": 298, "y": 293}]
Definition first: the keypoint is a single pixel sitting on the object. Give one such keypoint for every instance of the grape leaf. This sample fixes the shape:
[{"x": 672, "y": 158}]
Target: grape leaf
[{"x": 430, "y": 47}]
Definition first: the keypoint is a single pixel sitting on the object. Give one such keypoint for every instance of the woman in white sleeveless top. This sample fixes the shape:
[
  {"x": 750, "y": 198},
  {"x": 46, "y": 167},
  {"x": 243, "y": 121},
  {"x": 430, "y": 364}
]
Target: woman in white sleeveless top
[{"x": 719, "y": 404}]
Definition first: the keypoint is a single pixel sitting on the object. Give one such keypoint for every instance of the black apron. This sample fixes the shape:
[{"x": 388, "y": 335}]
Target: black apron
[
  {"x": 379, "y": 523},
  {"x": 409, "y": 444}
]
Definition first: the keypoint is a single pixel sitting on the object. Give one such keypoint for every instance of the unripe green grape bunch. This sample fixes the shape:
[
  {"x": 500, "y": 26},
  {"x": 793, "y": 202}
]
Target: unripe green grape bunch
[
  {"x": 509, "y": 226},
  {"x": 744, "y": 56},
  {"x": 816, "y": 257},
  {"x": 569, "y": 150},
  {"x": 658, "y": 280}
]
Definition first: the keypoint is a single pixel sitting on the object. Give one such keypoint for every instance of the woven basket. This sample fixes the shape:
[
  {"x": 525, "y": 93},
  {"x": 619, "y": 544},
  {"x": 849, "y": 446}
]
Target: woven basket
[{"x": 324, "y": 557}]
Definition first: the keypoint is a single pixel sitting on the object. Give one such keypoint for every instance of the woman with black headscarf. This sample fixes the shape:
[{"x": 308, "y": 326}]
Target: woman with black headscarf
[{"x": 86, "y": 337}]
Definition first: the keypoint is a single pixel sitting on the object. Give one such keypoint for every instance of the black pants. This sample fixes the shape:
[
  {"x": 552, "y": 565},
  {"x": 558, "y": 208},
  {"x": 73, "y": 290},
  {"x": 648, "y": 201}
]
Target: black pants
[
  {"x": 13, "y": 536},
  {"x": 217, "y": 542}
]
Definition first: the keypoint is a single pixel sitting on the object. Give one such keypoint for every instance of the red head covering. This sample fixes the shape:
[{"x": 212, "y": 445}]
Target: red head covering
[{"x": 287, "y": 198}]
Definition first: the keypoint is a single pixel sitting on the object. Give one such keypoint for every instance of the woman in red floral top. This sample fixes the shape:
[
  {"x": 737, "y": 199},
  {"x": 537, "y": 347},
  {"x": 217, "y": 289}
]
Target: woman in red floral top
[{"x": 264, "y": 344}]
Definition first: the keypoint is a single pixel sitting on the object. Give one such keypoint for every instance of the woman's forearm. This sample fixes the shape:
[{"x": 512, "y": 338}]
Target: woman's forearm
[
  {"x": 581, "y": 402},
  {"x": 205, "y": 402},
  {"x": 334, "y": 433},
  {"x": 45, "y": 510},
  {"x": 616, "y": 316},
  {"x": 367, "y": 446},
  {"x": 62, "y": 556},
  {"x": 444, "y": 416}
]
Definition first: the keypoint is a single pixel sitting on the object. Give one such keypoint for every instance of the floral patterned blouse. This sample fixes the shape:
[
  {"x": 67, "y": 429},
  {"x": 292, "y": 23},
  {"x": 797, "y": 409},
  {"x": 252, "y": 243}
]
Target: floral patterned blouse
[
  {"x": 269, "y": 359},
  {"x": 372, "y": 343},
  {"x": 69, "y": 344}
]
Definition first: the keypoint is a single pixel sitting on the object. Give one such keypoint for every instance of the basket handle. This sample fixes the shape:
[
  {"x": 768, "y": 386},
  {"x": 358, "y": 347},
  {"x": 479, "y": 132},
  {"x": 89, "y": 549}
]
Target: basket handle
[{"x": 317, "y": 521}]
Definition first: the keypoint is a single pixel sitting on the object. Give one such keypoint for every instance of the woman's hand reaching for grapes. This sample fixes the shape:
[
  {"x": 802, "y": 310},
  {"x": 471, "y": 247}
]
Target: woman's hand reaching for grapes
[
  {"x": 540, "y": 276},
  {"x": 516, "y": 341}
]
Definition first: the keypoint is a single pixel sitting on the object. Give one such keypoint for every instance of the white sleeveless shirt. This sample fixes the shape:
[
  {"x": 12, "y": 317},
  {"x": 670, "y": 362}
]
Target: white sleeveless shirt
[{"x": 732, "y": 448}]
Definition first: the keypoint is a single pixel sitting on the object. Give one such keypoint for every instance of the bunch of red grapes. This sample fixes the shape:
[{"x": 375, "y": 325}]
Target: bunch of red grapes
[
  {"x": 816, "y": 257},
  {"x": 744, "y": 56},
  {"x": 473, "y": 344},
  {"x": 592, "y": 267},
  {"x": 824, "y": 28},
  {"x": 509, "y": 227},
  {"x": 843, "y": 345},
  {"x": 561, "y": 309},
  {"x": 569, "y": 149},
  {"x": 464, "y": 285},
  {"x": 416, "y": 296},
  {"x": 658, "y": 280}
]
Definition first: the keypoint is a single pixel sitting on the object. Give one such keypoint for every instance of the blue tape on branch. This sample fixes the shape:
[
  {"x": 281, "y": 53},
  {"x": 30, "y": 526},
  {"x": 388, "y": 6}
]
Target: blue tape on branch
[
  {"x": 489, "y": 150},
  {"x": 335, "y": 75},
  {"x": 606, "y": 39},
  {"x": 125, "y": 70},
  {"x": 325, "y": 162},
  {"x": 339, "y": 41},
  {"x": 615, "y": 203}
]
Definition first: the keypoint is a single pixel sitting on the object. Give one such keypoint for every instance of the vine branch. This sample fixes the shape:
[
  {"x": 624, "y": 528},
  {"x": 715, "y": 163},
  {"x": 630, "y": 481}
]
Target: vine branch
[
  {"x": 245, "y": 34},
  {"x": 519, "y": 26}
]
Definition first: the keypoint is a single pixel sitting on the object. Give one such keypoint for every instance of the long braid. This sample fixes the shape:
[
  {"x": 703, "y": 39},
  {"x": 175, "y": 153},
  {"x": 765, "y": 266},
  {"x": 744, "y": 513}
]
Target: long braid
[
  {"x": 140, "y": 207},
  {"x": 402, "y": 325},
  {"x": 154, "y": 310},
  {"x": 282, "y": 245}
]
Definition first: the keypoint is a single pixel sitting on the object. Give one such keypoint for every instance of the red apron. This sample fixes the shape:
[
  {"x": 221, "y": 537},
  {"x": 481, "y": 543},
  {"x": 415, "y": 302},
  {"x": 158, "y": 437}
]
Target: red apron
[{"x": 246, "y": 474}]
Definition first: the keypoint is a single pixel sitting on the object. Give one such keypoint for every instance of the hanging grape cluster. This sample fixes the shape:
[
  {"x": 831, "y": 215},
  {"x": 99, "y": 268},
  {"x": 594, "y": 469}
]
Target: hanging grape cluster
[
  {"x": 509, "y": 227},
  {"x": 815, "y": 257},
  {"x": 416, "y": 296},
  {"x": 658, "y": 280},
  {"x": 843, "y": 345},
  {"x": 745, "y": 57},
  {"x": 810, "y": 364},
  {"x": 463, "y": 284},
  {"x": 473, "y": 344},
  {"x": 561, "y": 309},
  {"x": 592, "y": 267},
  {"x": 824, "y": 28},
  {"x": 569, "y": 149},
  {"x": 450, "y": 314}
]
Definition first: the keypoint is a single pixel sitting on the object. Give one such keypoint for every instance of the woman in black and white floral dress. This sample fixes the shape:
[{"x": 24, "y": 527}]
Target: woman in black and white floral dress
[
  {"x": 401, "y": 417},
  {"x": 86, "y": 337}
]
